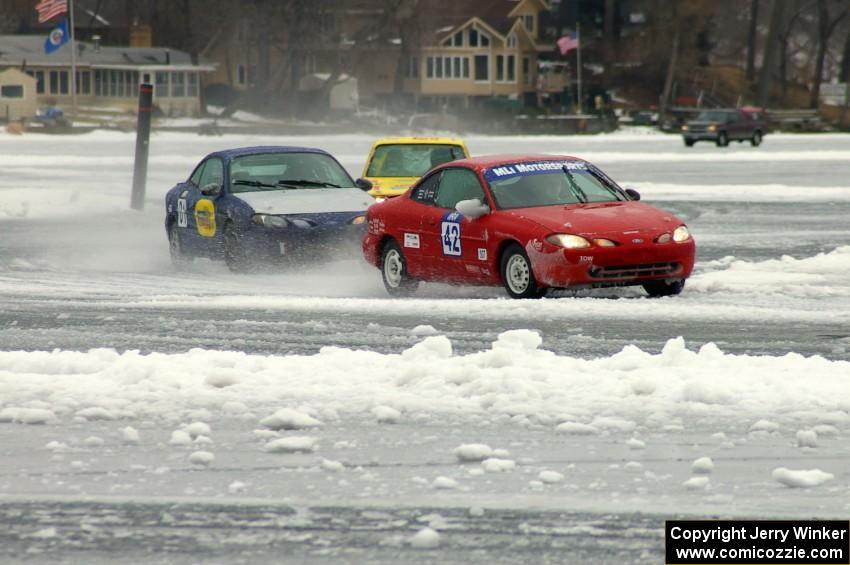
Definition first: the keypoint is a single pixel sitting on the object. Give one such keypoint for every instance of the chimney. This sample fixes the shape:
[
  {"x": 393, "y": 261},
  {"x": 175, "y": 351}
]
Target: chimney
[
  {"x": 141, "y": 35},
  {"x": 167, "y": 56}
]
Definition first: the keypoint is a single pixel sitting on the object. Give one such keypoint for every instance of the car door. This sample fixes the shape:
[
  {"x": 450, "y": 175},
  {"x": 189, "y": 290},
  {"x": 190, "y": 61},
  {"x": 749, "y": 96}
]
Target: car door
[
  {"x": 453, "y": 243},
  {"x": 200, "y": 209},
  {"x": 409, "y": 225}
]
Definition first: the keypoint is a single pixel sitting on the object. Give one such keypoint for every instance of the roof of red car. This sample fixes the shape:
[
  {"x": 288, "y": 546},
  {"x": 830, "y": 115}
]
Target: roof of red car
[{"x": 487, "y": 161}]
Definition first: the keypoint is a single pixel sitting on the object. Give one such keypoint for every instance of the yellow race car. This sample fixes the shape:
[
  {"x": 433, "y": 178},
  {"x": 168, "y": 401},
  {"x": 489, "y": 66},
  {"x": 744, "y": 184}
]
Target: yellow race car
[{"x": 394, "y": 164}]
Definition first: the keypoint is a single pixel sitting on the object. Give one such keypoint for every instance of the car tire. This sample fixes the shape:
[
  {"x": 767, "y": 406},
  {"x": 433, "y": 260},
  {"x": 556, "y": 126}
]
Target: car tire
[
  {"x": 394, "y": 271},
  {"x": 235, "y": 256},
  {"x": 689, "y": 142},
  {"x": 658, "y": 289},
  {"x": 175, "y": 248},
  {"x": 722, "y": 139},
  {"x": 517, "y": 274},
  {"x": 755, "y": 141}
]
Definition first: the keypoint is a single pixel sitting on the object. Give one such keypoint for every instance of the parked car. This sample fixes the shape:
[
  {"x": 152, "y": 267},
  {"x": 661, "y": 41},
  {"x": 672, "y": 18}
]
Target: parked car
[
  {"x": 529, "y": 223},
  {"x": 262, "y": 204},
  {"x": 394, "y": 164},
  {"x": 723, "y": 126}
]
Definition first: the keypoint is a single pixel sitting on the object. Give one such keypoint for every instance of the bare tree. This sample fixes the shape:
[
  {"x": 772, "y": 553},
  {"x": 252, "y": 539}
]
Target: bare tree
[
  {"x": 826, "y": 26},
  {"x": 752, "y": 36},
  {"x": 771, "y": 47},
  {"x": 674, "y": 58}
]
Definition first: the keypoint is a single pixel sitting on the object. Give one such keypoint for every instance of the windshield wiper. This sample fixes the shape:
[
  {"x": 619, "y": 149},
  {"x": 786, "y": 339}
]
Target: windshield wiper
[
  {"x": 254, "y": 183},
  {"x": 576, "y": 190},
  {"x": 305, "y": 182}
]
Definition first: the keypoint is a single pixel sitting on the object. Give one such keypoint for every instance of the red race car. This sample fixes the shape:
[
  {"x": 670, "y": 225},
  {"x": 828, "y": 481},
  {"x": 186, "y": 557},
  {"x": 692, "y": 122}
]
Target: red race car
[{"x": 530, "y": 223}]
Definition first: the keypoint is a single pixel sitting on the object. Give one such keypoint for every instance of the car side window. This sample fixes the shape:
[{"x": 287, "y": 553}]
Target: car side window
[
  {"x": 457, "y": 185},
  {"x": 196, "y": 176},
  {"x": 213, "y": 173},
  {"x": 427, "y": 189}
]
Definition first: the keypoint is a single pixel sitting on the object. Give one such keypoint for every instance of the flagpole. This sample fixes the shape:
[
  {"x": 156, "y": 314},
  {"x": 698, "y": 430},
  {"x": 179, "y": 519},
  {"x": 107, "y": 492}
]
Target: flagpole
[
  {"x": 73, "y": 61},
  {"x": 578, "y": 65}
]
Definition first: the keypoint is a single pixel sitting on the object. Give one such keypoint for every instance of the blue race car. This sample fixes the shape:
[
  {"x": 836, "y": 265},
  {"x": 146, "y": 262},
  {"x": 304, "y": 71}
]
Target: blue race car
[{"x": 258, "y": 205}]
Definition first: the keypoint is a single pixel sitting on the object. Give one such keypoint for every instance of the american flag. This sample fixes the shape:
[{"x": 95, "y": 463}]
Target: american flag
[
  {"x": 568, "y": 43},
  {"x": 49, "y": 9}
]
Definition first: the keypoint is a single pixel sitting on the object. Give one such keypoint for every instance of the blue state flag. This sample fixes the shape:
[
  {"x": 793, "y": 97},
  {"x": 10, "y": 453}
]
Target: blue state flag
[{"x": 58, "y": 37}]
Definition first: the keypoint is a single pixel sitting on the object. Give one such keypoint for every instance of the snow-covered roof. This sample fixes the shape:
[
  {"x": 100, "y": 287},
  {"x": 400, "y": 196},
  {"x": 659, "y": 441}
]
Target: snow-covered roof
[{"x": 17, "y": 50}]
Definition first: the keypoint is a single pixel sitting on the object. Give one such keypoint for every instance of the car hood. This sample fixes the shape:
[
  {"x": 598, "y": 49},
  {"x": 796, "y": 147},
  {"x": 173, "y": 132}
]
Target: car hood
[
  {"x": 307, "y": 200},
  {"x": 608, "y": 219}
]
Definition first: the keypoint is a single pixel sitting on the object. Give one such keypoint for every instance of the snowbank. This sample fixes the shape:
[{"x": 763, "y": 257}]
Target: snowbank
[
  {"x": 824, "y": 275},
  {"x": 514, "y": 380}
]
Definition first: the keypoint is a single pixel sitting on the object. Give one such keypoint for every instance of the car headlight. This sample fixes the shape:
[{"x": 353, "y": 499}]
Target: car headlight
[
  {"x": 270, "y": 221},
  {"x": 568, "y": 241},
  {"x": 712, "y": 127},
  {"x": 602, "y": 242},
  {"x": 681, "y": 234},
  {"x": 685, "y": 127},
  {"x": 357, "y": 220}
]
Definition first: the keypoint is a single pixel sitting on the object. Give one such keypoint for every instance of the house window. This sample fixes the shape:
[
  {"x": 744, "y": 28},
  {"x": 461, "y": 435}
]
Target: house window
[
  {"x": 192, "y": 84},
  {"x": 510, "y": 69},
  {"x": 526, "y": 71},
  {"x": 245, "y": 74},
  {"x": 161, "y": 85},
  {"x": 12, "y": 91},
  {"x": 485, "y": 39},
  {"x": 178, "y": 85},
  {"x": 429, "y": 67},
  {"x": 83, "y": 82},
  {"x": 482, "y": 70},
  {"x": 500, "y": 68},
  {"x": 412, "y": 68},
  {"x": 113, "y": 83},
  {"x": 39, "y": 80},
  {"x": 512, "y": 41},
  {"x": 447, "y": 66},
  {"x": 456, "y": 67},
  {"x": 457, "y": 40},
  {"x": 465, "y": 67},
  {"x": 473, "y": 37},
  {"x": 528, "y": 21},
  {"x": 58, "y": 82},
  {"x": 98, "y": 82}
]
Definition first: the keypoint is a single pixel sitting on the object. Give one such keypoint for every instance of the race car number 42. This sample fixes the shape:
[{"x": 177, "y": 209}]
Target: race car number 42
[{"x": 450, "y": 232}]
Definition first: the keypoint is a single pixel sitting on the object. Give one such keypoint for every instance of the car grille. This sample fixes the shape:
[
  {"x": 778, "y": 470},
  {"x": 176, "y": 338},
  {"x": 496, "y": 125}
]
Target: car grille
[
  {"x": 697, "y": 129},
  {"x": 633, "y": 271}
]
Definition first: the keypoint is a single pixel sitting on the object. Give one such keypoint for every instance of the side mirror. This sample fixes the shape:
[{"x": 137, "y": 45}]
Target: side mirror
[
  {"x": 473, "y": 208},
  {"x": 212, "y": 189},
  {"x": 633, "y": 194},
  {"x": 363, "y": 184}
]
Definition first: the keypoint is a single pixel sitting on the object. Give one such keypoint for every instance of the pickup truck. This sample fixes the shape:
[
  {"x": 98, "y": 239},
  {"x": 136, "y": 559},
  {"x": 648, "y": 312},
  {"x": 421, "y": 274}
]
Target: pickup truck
[{"x": 723, "y": 126}]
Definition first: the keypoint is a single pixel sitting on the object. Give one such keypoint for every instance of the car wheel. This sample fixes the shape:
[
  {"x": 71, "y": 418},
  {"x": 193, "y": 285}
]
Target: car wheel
[
  {"x": 756, "y": 139},
  {"x": 517, "y": 274},
  {"x": 689, "y": 143},
  {"x": 722, "y": 139},
  {"x": 175, "y": 248},
  {"x": 394, "y": 271},
  {"x": 235, "y": 256},
  {"x": 657, "y": 289}
]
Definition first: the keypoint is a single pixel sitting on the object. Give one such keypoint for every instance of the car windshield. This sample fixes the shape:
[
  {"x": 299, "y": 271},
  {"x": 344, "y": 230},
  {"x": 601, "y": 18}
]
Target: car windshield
[
  {"x": 286, "y": 171},
  {"x": 549, "y": 183},
  {"x": 410, "y": 160},
  {"x": 711, "y": 116}
]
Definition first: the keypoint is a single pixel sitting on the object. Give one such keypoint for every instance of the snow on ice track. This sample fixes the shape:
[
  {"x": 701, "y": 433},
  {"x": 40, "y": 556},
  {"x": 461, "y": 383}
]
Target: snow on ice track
[{"x": 127, "y": 388}]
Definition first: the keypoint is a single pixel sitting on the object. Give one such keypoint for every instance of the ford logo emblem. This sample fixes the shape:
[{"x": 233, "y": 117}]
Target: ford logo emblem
[{"x": 637, "y": 240}]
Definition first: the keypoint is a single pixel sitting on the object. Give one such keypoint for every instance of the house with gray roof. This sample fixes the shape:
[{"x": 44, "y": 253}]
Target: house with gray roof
[{"x": 108, "y": 77}]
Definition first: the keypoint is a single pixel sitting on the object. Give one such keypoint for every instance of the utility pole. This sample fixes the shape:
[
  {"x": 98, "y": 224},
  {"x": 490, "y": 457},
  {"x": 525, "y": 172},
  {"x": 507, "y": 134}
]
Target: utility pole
[{"x": 771, "y": 47}]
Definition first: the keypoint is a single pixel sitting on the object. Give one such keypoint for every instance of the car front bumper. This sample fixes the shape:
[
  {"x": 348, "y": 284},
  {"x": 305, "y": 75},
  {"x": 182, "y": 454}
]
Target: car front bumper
[
  {"x": 612, "y": 266},
  {"x": 302, "y": 244}
]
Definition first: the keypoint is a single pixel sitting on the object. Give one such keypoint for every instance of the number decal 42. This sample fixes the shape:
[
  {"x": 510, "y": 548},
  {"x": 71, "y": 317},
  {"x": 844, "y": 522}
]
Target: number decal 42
[{"x": 450, "y": 234}]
